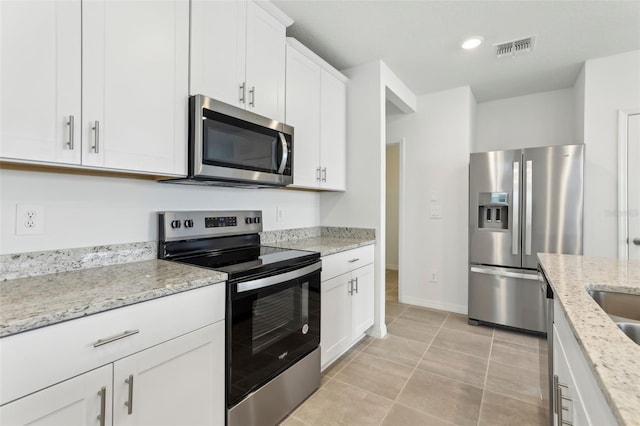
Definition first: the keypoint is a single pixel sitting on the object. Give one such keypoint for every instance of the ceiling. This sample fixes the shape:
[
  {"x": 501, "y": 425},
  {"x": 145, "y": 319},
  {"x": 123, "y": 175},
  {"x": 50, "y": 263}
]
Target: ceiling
[{"x": 419, "y": 40}]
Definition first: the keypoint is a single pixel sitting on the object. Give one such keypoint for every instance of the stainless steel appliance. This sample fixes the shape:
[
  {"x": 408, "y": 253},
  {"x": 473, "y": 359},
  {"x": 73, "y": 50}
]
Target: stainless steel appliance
[
  {"x": 231, "y": 146},
  {"x": 521, "y": 202},
  {"x": 272, "y": 309}
]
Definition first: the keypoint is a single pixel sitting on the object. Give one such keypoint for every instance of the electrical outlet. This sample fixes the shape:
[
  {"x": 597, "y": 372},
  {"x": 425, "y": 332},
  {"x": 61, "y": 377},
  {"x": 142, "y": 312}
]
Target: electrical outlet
[
  {"x": 433, "y": 277},
  {"x": 278, "y": 214},
  {"x": 29, "y": 219}
]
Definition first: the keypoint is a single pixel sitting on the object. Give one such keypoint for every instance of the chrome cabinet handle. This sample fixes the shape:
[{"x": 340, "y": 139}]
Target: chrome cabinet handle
[
  {"x": 96, "y": 136},
  {"x": 243, "y": 88},
  {"x": 356, "y": 285},
  {"x": 103, "y": 405},
  {"x": 71, "y": 125},
  {"x": 516, "y": 208},
  {"x": 558, "y": 403},
  {"x": 636, "y": 241},
  {"x": 350, "y": 291},
  {"x": 318, "y": 174},
  {"x": 529, "y": 208},
  {"x": 324, "y": 174},
  {"x": 122, "y": 335},
  {"x": 129, "y": 402},
  {"x": 252, "y": 96},
  {"x": 353, "y": 260},
  {"x": 285, "y": 153}
]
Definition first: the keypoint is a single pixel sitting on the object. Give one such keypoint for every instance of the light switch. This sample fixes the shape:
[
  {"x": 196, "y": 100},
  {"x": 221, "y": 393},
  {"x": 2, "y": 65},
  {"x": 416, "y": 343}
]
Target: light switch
[{"x": 434, "y": 196}]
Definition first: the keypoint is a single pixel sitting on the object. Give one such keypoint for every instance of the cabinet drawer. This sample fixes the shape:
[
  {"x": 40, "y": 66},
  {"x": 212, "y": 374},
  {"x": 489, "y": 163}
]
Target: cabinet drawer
[
  {"x": 343, "y": 262},
  {"x": 39, "y": 358}
]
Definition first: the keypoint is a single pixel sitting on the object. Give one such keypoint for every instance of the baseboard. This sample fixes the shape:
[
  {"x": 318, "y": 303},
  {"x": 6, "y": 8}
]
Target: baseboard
[{"x": 426, "y": 303}]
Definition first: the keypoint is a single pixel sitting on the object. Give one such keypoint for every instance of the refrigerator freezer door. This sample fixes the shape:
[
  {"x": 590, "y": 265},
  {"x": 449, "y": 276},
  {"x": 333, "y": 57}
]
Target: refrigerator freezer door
[
  {"x": 509, "y": 297},
  {"x": 494, "y": 208},
  {"x": 552, "y": 201}
]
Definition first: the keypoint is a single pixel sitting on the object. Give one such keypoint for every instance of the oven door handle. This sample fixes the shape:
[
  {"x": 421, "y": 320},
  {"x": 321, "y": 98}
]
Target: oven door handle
[{"x": 278, "y": 279}]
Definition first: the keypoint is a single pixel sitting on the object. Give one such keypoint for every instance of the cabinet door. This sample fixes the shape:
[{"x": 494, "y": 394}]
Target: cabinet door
[
  {"x": 179, "y": 382},
  {"x": 265, "y": 62},
  {"x": 135, "y": 85},
  {"x": 218, "y": 39},
  {"x": 333, "y": 132},
  {"x": 362, "y": 301},
  {"x": 40, "y": 80},
  {"x": 335, "y": 327},
  {"x": 77, "y": 401},
  {"x": 303, "y": 112}
]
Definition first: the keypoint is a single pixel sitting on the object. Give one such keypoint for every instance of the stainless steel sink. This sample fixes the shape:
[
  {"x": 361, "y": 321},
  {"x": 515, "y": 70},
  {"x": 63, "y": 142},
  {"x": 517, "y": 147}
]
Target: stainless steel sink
[
  {"x": 630, "y": 329},
  {"x": 619, "y": 306}
]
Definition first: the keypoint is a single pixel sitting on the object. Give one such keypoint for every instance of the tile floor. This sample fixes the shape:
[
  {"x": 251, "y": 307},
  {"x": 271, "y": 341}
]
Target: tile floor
[{"x": 431, "y": 369}]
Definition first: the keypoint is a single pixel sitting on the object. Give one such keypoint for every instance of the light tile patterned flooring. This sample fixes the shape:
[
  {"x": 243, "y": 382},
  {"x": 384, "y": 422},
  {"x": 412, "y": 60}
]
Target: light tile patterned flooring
[{"x": 431, "y": 369}]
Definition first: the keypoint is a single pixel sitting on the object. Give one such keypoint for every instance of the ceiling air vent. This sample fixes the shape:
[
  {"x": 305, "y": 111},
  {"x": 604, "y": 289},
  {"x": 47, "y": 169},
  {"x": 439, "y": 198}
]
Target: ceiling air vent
[{"x": 515, "y": 47}]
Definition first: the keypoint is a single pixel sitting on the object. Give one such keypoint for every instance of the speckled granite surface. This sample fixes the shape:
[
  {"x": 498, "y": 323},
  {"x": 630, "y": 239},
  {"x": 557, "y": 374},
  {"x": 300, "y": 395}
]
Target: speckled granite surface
[
  {"x": 29, "y": 303},
  {"x": 32, "y": 264},
  {"x": 613, "y": 357},
  {"x": 325, "y": 240},
  {"x": 324, "y": 245}
]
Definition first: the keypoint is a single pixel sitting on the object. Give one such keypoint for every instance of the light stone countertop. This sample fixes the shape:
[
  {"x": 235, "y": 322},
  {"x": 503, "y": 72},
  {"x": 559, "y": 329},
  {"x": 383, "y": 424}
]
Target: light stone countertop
[
  {"x": 325, "y": 245},
  {"x": 33, "y": 302},
  {"x": 612, "y": 356}
]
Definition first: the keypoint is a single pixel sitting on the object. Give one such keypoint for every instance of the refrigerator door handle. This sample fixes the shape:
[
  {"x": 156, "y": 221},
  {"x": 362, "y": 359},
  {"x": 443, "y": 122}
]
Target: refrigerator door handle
[
  {"x": 516, "y": 208},
  {"x": 504, "y": 273},
  {"x": 528, "y": 207}
]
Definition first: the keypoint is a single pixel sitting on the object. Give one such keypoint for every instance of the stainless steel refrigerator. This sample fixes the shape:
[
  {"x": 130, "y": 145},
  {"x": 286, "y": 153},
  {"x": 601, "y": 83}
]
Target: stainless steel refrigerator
[{"x": 521, "y": 202}]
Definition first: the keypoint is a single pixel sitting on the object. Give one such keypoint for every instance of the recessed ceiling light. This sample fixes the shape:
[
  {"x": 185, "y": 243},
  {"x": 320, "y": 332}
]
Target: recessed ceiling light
[{"x": 472, "y": 42}]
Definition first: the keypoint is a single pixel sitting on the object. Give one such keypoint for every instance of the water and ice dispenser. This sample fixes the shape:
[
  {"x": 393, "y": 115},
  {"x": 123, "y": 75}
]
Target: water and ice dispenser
[{"x": 493, "y": 210}]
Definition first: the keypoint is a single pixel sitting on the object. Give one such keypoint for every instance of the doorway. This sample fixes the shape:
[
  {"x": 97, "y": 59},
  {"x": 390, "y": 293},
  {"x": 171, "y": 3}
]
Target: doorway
[
  {"x": 393, "y": 221},
  {"x": 629, "y": 184}
]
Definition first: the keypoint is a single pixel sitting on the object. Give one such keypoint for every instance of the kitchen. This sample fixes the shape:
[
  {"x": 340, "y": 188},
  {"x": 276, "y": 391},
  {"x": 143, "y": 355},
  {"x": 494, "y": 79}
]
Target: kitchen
[{"x": 87, "y": 210}]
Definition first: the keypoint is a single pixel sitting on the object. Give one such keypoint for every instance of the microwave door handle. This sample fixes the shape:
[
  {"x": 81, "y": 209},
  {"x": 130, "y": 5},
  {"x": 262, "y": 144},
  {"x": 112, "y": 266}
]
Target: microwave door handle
[{"x": 285, "y": 153}]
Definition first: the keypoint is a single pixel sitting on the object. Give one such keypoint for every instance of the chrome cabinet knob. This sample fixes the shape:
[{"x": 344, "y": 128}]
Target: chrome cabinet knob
[{"x": 636, "y": 241}]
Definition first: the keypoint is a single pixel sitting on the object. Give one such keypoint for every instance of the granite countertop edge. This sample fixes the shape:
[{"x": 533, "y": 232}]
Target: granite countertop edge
[
  {"x": 35, "y": 320},
  {"x": 612, "y": 357},
  {"x": 324, "y": 245}
]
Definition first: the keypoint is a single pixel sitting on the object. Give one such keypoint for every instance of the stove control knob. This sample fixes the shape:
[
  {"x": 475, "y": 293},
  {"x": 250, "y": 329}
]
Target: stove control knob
[
  {"x": 188, "y": 223},
  {"x": 256, "y": 220},
  {"x": 247, "y": 220},
  {"x": 175, "y": 224}
]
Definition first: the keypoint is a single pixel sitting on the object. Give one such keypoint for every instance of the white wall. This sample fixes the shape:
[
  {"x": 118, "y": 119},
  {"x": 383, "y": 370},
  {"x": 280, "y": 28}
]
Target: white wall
[
  {"x": 578, "y": 108},
  {"x": 363, "y": 204},
  {"x": 438, "y": 141},
  {"x": 392, "y": 204},
  {"x": 611, "y": 83},
  {"x": 541, "y": 119},
  {"x": 83, "y": 211}
]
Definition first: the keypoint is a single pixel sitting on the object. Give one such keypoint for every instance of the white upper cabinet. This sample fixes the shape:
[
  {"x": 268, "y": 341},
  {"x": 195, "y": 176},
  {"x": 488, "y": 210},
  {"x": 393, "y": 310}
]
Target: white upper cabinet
[
  {"x": 316, "y": 107},
  {"x": 238, "y": 54},
  {"x": 135, "y": 85},
  {"x": 131, "y": 62},
  {"x": 40, "y": 56},
  {"x": 303, "y": 110},
  {"x": 218, "y": 40},
  {"x": 333, "y": 131}
]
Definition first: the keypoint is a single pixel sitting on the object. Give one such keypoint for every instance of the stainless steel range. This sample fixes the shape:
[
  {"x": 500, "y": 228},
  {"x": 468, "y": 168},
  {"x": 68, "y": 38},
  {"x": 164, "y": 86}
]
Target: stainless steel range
[{"x": 272, "y": 309}]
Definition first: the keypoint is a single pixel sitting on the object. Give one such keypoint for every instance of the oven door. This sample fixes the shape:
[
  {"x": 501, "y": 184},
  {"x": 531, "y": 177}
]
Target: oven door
[{"x": 272, "y": 323}]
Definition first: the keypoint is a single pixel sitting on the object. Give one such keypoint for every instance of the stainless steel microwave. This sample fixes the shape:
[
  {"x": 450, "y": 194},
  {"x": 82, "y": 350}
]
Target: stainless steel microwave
[{"x": 233, "y": 147}]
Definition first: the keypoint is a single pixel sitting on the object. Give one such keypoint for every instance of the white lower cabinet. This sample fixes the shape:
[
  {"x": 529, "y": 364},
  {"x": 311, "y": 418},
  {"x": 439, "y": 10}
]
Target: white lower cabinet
[
  {"x": 347, "y": 301},
  {"x": 76, "y": 401},
  {"x": 154, "y": 373},
  {"x": 577, "y": 399},
  {"x": 176, "y": 383}
]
